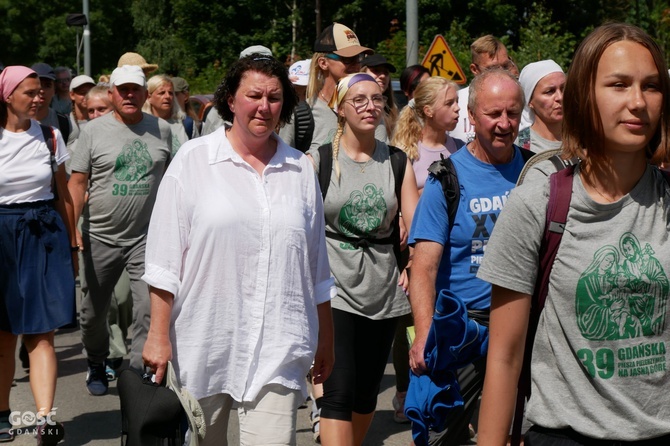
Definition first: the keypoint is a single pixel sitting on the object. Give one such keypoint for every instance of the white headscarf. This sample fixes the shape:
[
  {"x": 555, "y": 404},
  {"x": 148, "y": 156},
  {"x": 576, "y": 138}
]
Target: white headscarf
[{"x": 529, "y": 77}]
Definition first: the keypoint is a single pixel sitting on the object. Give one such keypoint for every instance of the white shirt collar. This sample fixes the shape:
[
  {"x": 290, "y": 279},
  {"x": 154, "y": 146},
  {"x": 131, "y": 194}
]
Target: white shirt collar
[{"x": 223, "y": 151}]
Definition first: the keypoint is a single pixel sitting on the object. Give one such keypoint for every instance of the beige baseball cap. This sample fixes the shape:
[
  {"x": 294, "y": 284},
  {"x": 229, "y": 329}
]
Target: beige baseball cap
[{"x": 340, "y": 40}]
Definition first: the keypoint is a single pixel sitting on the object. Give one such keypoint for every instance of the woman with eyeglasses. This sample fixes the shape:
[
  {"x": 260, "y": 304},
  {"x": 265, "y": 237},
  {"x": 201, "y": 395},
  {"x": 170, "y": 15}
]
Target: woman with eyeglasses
[
  {"x": 361, "y": 209},
  {"x": 337, "y": 53}
]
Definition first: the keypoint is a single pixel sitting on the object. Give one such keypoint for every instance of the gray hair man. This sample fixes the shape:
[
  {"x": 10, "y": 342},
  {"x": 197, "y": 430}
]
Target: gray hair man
[
  {"x": 123, "y": 155},
  {"x": 447, "y": 257}
]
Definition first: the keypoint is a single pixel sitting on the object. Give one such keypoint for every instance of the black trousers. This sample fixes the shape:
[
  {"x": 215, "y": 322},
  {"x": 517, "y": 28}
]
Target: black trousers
[{"x": 471, "y": 380}]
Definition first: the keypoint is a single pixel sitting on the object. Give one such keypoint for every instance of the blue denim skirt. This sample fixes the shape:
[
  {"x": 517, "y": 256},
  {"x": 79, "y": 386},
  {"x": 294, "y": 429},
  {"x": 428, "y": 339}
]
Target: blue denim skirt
[{"x": 37, "y": 289}]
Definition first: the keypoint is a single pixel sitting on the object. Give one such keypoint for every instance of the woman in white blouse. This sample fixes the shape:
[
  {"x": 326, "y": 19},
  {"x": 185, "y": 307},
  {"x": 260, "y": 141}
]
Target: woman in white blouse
[
  {"x": 37, "y": 248},
  {"x": 237, "y": 264}
]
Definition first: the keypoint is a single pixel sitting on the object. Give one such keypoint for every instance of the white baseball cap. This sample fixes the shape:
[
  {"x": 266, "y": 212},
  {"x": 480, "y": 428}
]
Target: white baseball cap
[
  {"x": 128, "y": 74},
  {"x": 299, "y": 72},
  {"x": 256, "y": 49},
  {"x": 80, "y": 80}
]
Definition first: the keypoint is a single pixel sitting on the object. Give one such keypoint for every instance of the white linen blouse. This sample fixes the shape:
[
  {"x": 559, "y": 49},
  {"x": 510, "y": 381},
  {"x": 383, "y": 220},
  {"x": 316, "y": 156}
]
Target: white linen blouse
[{"x": 245, "y": 257}]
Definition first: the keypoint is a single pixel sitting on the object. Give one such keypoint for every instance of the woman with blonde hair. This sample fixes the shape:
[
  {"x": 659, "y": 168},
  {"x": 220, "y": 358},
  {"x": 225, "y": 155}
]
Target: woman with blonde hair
[
  {"x": 423, "y": 125},
  {"x": 162, "y": 103},
  {"x": 337, "y": 53},
  {"x": 361, "y": 207}
]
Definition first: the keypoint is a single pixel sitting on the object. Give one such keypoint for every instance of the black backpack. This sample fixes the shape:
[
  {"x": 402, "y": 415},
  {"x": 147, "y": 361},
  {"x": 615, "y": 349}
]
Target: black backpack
[
  {"x": 444, "y": 171},
  {"x": 303, "y": 126},
  {"x": 64, "y": 126},
  {"x": 398, "y": 160}
]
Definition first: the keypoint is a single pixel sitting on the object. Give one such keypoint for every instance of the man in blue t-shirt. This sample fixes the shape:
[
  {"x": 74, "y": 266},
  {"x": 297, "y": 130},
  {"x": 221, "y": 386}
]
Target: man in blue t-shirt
[{"x": 448, "y": 257}]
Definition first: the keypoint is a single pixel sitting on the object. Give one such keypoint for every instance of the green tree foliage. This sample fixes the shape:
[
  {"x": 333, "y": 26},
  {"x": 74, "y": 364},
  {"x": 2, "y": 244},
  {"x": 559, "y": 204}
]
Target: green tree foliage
[
  {"x": 32, "y": 31},
  {"x": 198, "y": 39},
  {"x": 544, "y": 39}
]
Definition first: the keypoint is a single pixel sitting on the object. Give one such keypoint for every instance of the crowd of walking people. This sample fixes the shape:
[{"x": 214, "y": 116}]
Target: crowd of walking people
[{"x": 504, "y": 242}]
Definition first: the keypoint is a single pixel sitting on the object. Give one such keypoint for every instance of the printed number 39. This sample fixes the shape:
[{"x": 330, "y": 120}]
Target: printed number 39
[
  {"x": 120, "y": 189},
  {"x": 604, "y": 362}
]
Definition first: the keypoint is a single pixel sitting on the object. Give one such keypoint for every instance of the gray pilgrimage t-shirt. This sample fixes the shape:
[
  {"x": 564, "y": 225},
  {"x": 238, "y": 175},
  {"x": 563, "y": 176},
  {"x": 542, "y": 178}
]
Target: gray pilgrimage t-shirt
[
  {"x": 325, "y": 124},
  {"x": 600, "y": 361},
  {"x": 179, "y": 136},
  {"x": 126, "y": 164},
  {"x": 364, "y": 202}
]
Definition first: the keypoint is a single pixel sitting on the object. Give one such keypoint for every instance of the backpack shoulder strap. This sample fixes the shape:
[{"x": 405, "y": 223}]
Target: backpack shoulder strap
[
  {"x": 303, "y": 126},
  {"x": 325, "y": 167},
  {"x": 64, "y": 126},
  {"x": 666, "y": 176},
  {"x": 398, "y": 160},
  {"x": 188, "y": 126},
  {"x": 560, "y": 194},
  {"x": 445, "y": 172},
  {"x": 526, "y": 154},
  {"x": 50, "y": 140}
]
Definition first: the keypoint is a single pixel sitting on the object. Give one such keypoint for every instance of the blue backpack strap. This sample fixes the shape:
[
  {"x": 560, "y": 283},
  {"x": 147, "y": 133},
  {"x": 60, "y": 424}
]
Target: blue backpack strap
[
  {"x": 560, "y": 194},
  {"x": 188, "y": 126}
]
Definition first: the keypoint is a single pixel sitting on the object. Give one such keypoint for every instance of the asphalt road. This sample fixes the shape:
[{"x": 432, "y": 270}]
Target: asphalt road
[{"x": 96, "y": 421}]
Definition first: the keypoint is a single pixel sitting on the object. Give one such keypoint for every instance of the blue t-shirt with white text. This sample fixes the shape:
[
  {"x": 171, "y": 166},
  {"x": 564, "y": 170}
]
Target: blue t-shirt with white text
[{"x": 484, "y": 188}]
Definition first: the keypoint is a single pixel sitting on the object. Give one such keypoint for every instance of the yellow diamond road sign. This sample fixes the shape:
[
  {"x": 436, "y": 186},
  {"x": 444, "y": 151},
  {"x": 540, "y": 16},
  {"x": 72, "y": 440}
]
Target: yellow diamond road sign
[{"x": 440, "y": 61}]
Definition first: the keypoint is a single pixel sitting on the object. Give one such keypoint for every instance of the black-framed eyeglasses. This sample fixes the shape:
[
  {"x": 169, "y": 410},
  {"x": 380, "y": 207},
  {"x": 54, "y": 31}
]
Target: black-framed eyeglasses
[
  {"x": 361, "y": 102},
  {"x": 345, "y": 60}
]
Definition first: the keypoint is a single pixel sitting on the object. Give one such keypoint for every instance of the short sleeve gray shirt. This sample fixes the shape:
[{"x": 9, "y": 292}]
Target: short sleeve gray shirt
[
  {"x": 125, "y": 164},
  {"x": 600, "y": 354},
  {"x": 363, "y": 201}
]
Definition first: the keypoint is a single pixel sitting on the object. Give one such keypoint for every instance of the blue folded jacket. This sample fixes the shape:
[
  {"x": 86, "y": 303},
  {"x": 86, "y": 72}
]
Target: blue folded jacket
[{"x": 454, "y": 341}]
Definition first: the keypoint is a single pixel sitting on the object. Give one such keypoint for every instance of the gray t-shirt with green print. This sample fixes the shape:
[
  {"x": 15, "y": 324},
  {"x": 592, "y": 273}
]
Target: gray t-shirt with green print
[
  {"x": 600, "y": 361},
  {"x": 363, "y": 201},
  {"x": 125, "y": 165}
]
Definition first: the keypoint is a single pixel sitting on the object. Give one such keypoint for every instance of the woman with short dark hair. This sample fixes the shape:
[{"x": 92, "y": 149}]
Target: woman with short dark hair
[{"x": 237, "y": 264}]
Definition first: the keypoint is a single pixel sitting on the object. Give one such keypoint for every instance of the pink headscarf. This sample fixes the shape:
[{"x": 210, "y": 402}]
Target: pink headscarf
[{"x": 10, "y": 78}]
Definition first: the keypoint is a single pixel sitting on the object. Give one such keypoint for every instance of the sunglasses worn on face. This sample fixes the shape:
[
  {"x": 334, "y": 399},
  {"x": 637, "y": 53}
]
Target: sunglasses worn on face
[{"x": 344, "y": 60}]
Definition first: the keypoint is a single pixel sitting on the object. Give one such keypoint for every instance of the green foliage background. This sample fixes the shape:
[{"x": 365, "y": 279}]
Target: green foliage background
[{"x": 198, "y": 39}]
